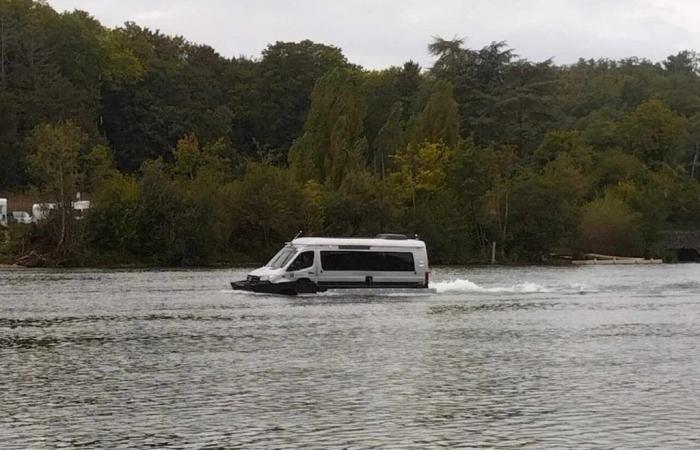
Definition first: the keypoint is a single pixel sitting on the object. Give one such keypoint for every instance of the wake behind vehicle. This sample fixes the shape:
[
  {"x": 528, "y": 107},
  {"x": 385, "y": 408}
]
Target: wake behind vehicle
[{"x": 314, "y": 264}]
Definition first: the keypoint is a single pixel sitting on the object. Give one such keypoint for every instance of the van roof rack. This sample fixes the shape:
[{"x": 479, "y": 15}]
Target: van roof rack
[{"x": 392, "y": 236}]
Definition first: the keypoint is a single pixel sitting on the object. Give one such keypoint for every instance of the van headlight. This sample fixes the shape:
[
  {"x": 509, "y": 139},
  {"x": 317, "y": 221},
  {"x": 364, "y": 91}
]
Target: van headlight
[{"x": 253, "y": 279}]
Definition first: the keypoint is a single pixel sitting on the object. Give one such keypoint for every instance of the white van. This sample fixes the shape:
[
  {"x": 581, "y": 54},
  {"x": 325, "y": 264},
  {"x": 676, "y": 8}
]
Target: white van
[
  {"x": 21, "y": 217},
  {"x": 315, "y": 264}
]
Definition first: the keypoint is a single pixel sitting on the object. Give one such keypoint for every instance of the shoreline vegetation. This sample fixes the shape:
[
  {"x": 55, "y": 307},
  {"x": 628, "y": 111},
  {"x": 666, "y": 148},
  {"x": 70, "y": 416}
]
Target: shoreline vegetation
[
  {"x": 191, "y": 158},
  {"x": 252, "y": 265}
]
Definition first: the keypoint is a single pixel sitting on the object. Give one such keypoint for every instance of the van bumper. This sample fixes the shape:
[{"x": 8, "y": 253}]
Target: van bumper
[{"x": 265, "y": 287}]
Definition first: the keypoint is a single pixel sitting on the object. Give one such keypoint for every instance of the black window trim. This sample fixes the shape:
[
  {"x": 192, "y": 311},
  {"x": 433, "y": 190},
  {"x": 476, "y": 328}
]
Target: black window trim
[
  {"x": 313, "y": 261},
  {"x": 372, "y": 266}
]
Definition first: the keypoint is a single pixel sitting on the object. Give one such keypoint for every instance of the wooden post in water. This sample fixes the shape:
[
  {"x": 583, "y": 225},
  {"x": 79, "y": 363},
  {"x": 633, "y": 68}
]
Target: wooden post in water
[{"x": 493, "y": 252}]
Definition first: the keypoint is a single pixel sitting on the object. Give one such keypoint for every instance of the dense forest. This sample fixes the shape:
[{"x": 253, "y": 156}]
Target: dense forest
[{"x": 190, "y": 157}]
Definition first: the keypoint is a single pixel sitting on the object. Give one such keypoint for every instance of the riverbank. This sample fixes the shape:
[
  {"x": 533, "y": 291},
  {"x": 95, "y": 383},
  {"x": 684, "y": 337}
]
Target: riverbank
[
  {"x": 247, "y": 265},
  {"x": 29, "y": 246},
  {"x": 137, "y": 265}
]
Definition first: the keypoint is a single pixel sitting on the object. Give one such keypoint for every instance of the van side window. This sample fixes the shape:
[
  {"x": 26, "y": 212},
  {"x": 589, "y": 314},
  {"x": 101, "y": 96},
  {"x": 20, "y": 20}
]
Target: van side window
[
  {"x": 367, "y": 261},
  {"x": 303, "y": 261}
]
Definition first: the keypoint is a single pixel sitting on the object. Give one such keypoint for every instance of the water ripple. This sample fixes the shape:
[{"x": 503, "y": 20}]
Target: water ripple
[{"x": 168, "y": 359}]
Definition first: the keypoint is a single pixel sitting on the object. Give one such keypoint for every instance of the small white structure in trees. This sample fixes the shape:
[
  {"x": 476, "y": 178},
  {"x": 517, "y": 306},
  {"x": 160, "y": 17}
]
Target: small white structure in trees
[
  {"x": 81, "y": 206},
  {"x": 40, "y": 211}
]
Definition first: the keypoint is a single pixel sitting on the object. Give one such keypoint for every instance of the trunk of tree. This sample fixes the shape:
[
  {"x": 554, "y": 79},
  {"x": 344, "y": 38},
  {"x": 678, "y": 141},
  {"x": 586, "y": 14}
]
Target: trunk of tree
[
  {"x": 505, "y": 225},
  {"x": 62, "y": 203},
  {"x": 3, "y": 39},
  {"x": 381, "y": 196}
]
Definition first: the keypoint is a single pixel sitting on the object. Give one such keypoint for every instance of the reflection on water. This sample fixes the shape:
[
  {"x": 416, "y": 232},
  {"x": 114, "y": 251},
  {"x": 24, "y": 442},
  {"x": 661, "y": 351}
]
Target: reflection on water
[{"x": 500, "y": 357}]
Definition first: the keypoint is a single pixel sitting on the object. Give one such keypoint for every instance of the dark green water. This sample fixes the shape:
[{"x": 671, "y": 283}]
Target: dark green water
[{"x": 596, "y": 357}]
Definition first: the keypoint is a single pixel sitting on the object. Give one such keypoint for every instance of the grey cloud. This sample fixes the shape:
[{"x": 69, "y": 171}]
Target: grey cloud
[{"x": 377, "y": 33}]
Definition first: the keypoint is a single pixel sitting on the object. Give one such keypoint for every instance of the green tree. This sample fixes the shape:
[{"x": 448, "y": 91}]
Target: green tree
[
  {"x": 55, "y": 162},
  {"x": 286, "y": 77},
  {"x": 481, "y": 179},
  {"x": 359, "y": 207},
  {"x": 177, "y": 223},
  {"x": 33, "y": 89},
  {"x": 98, "y": 166},
  {"x": 616, "y": 166},
  {"x": 158, "y": 238},
  {"x": 601, "y": 129},
  {"x": 439, "y": 121},
  {"x": 421, "y": 170},
  {"x": 570, "y": 142},
  {"x": 90, "y": 54},
  {"x": 188, "y": 157},
  {"x": 651, "y": 206},
  {"x": 183, "y": 88},
  {"x": 333, "y": 142},
  {"x": 390, "y": 139},
  {"x": 609, "y": 226},
  {"x": 264, "y": 203},
  {"x": 524, "y": 109},
  {"x": 544, "y": 208},
  {"x": 686, "y": 61},
  {"x": 654, "y": 133},
  {"x": 314, "y": 208},
  {"x": 112, "y": 219}
]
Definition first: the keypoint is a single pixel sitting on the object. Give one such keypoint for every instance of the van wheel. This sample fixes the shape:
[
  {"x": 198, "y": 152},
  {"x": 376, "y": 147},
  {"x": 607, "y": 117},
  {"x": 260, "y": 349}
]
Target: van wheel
[{"x": 306, "y": 286}]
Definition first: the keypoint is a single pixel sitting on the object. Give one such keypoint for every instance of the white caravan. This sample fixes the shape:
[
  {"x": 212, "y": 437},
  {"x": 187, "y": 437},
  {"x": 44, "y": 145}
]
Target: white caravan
[
  {"x": 3, "y": 211},
  {"x": 41, "y": 211},
  {"x": 315, "y": 264}
]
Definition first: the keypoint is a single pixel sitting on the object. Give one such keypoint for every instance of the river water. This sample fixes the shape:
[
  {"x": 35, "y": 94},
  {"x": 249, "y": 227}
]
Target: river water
[{"x": 592, "y": 357}]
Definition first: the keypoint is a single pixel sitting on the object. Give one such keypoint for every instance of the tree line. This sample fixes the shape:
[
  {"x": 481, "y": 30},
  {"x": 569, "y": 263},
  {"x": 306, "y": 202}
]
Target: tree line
[{"x": 190, "y": 157}]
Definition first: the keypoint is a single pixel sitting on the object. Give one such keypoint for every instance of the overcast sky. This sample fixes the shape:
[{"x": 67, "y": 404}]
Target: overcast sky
[{"x": 381, "y": 33}]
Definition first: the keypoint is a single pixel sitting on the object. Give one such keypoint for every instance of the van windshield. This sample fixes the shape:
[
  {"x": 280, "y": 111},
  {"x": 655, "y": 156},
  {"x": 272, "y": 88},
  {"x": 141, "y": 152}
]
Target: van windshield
[{"x": 281, "y": 258}]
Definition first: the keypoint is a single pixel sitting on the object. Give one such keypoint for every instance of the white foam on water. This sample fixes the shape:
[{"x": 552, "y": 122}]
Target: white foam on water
[
  {"x": 463, "y": 285},
  {"x": 455, "y": 286}
]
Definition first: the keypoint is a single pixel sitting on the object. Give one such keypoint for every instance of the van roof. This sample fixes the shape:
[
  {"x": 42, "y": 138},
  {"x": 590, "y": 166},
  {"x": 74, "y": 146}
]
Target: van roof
[{"x": 364, "y": 242}]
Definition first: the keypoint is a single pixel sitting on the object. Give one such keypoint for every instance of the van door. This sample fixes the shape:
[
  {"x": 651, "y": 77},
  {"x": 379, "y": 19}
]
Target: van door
[{"x": 304, "y": 267}]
